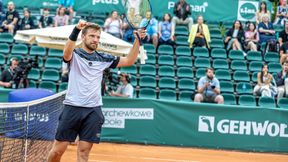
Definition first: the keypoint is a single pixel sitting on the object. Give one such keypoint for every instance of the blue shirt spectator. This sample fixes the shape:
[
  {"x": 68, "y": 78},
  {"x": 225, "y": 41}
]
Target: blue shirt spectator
[
  {"x": 151, "y": 29},
  {"x": 266, "y": 30},
  {"x": 209, "y": 90},
  {"x": 165, "y": 30},
  {"x": 66, "y": 3}
]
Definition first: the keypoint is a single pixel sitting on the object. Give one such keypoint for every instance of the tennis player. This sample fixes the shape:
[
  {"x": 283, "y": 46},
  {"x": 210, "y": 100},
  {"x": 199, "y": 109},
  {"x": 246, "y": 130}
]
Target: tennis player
[{"x": 82, "y": 114}]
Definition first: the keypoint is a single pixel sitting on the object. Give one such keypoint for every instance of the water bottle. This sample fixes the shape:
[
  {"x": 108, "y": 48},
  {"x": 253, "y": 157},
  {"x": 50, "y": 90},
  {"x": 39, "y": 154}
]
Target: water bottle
[{"x": 244, "y": 88}]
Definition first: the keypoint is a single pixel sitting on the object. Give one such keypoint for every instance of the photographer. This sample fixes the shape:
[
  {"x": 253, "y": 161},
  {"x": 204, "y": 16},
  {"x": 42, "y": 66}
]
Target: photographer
[
  {"x": 126, "y": 89},
  {"x": 209, "y": 89},
  {"x": 282, "y": 81},
  {"x": 8, "y": 74}
]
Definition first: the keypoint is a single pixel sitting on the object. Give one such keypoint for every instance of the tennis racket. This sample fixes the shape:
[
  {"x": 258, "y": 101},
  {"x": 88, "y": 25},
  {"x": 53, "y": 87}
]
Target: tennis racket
[{"x": 138, "y": 14}]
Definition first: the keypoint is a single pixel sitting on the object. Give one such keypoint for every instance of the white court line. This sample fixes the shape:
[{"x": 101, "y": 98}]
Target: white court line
[
  {"x": 145, "y": 158},
  {"x": 98, "y": 161}
]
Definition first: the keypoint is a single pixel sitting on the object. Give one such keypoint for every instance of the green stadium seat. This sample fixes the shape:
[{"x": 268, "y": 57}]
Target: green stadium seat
[
  {"x": 2, "y": 60},
  {"x": 19, "y": 49},
  {"x": 166, "y": 60},
  {"x": 167, "y": 83},
  {"x": 274, "y": 67},
  {"x": 218, "y": 53},
  {"x": 254, "y": 56},
  {"x": 34, "y": 74},
  {"x": 267, "y": 102},
  {"x": 6, "y": 38},
  {"x": 220, "y": 64},
  {"x": 183, "y": 51},
  {"x": 215, "y": 33},
  {"x": 50, "y": 75},
  {"x": 238, "y": 65},
  {"x": 182, "y": 40},
  {"x": 63, "y": 86},
  {"x": 32, "y": 84},
  {"x": 48, "y": 85},
  {"x": 202, "y": 63},
  {"x": 55, "y": 63},
  {"x": 247, "y": 100},
  {"x": 200, "y": 72},
  {"x": 244, "y": 88},
  {"x": 181, "y": 30},
  {"x": 184, "y": 61},
  {"x": 166, "y": 71},
  {"x": 186, "y": 96},
  {"x": 129, "y": 69},
  {"x": 241, "y": 76},
  {"x": 223, "y": 74},
  {"x": 98, "y": 21},
  {"x": 165, "y": 50},
  {"x": 200, "y": 52},
  {"x": 147, "y": 93},
  {"x": 229, "y": 99},
  {"x": 271, "y": 57},
  {"x": 254, "y": 76},
  {"x": 185, "y": 72},
  {"x": 236, "y": 55},
  {"x": 147, "y": 70},
  {"x": 167, "y": 94},
  {"x": 186, "y": 84},
  {"x": 37, "y": 51},
  {"x": 226, "y": 87},
  {"x": 133, "y": 80},
  {"x": 55, "y": 53},
  {"x": 4, "y": 48},
  {"x": 149, "y": 48},
  {"x": 255, "y": 66},
  {"x": 151, "y": 59},
  {"x": 283, "y": 103},
  {"x": 147, "y": 81},
  {"x": 217, "y": 43}
]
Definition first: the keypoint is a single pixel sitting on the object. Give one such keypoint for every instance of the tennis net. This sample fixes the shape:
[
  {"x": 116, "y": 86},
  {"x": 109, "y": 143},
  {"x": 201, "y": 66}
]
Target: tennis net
[{"x": 27, "y": 129}]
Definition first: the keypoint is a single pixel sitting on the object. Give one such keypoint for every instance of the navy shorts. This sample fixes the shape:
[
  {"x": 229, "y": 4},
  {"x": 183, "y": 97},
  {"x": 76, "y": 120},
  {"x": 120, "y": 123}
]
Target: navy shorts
[{"x": 85, "y": 122}]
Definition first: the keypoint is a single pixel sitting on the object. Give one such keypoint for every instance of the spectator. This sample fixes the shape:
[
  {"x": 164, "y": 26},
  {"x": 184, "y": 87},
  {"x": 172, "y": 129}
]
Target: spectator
[
  {"x": 8, "y": 74},
  {"x": 127, "y": 30},
  {"x": 266, "y": 30},
  {"x": 152, "y": 29},
  {"x": 282, "y": 81},
  {"x": 209, "y": 89},
  {"x": 65, "y": 72},
  {"x": 26, "y": 22},
  {"x": 199, "y": 34},
  {"x": 284, "y": 53},
  {"x": 282, "y": 11},
  {"x": 45, "y": 19},
  {"x": 181, "y": 11},
  {"x": 11, "y": 19},
  {"x": 262, "y": 10},
  {"x": 235, "y": 36},
  {"x": 2, "y": 13},
  {"x": 165, "y": 29},
  {"x": 126, "y": 89},
  {"x": 283, "y": 35},
  {"x": 61, "y": 19},
  {"x": 68, "y": 4},
  {"x": 266, "y": 86},
  {"x": 113, "y": 25},
  {"x": 251, "y": 37}
]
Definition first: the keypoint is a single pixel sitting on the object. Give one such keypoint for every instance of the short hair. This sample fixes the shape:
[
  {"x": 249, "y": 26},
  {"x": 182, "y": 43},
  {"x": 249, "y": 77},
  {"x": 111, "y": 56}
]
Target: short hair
[
  {"x": 209, "y": 69},
  {"x": 10, "y": 2},
  {"x": 45, "y": 9},
  {"x": 91, "y": 26}
]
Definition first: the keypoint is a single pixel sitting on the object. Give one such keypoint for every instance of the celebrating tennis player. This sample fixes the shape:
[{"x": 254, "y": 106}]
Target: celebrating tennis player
[{"x": 82, "y": 114}]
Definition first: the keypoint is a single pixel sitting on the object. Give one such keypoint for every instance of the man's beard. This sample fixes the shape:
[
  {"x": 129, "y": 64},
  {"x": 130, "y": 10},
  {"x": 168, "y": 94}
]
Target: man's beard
[{"x": 90, "y": 47}]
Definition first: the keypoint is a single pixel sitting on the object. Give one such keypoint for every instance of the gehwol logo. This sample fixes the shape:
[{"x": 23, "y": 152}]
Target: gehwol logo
[
  {"x": 226, "y": 126},
  {"x": 94, "y": 2}
]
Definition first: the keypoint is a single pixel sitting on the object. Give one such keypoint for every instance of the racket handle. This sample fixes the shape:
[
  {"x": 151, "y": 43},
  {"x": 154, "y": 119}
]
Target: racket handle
[{"x": 140, "y": 40}]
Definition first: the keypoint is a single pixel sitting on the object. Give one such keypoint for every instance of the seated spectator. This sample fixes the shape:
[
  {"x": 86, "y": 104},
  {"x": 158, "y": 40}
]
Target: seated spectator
[
  {"x": 284, "y": 53},
  {"x": 235, "y": 37},
  {"x": 281, "y": 14},
  {"x": 7, "y": 76},
  {"x": 282, "y": 81},
  {"x": 126, "y": 89},
  {"x": 266, "y": 86},
  {"x": 209, "y": 89},
  {"x": 151, "y": 29},
  {"x": 262, "y": 10},
  {"x": 45, "y": 20},
  {"x": 26, "y": 22},
  {"x": 68, "y": 4},
  {"x": 113, "y": 25},
  {"x": 251, "y": 37},
  {"x": 182, "y": 10},
  {"x": 266, "y": 30},
  {"x": 11, "y": 19},
  {"x": 165, "y": 28},
  {"x": 61, "y": 19},
  {"x": 283, "y": 35},
  {"x": 199, "y": 34},
  {"x": 2, "y": 13}
]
